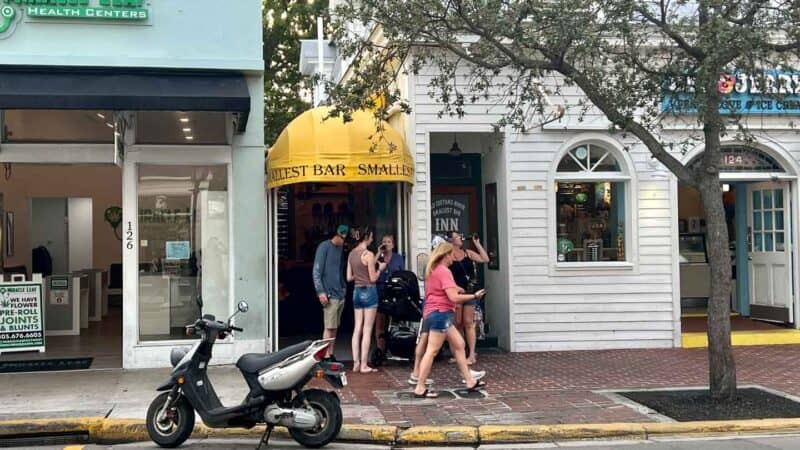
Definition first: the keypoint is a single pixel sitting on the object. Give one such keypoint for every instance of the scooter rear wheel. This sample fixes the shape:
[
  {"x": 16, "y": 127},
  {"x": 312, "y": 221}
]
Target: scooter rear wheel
[
  {"x": 176, "y": 429},
  {"x": 326, "y": 405}
]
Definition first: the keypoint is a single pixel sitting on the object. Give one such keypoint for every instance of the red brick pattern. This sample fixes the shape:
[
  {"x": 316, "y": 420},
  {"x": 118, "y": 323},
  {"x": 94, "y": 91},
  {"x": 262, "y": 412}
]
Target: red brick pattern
[{"x": 557, "y": 387}]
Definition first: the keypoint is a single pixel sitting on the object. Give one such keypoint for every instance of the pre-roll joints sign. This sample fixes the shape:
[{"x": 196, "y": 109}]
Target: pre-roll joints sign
[
  {"x": 12, "y": 11},
  {"x": 21, "y": 320}
]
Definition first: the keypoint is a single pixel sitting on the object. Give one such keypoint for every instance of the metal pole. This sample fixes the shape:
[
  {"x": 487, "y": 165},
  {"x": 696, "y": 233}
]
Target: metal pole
[{"x": 320, "y": 61}]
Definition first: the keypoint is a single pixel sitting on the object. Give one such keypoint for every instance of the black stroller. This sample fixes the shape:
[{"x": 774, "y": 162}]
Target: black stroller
[{"x": 402, "y": 304}]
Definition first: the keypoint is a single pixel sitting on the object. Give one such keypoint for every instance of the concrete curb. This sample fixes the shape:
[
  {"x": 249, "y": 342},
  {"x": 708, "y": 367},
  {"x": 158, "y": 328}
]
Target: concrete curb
[{"x": 114, "y": 431}]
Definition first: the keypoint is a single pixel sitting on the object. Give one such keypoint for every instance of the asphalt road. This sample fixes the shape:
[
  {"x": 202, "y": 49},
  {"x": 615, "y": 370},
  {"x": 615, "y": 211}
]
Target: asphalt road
[{"x": 779, "y": 442}]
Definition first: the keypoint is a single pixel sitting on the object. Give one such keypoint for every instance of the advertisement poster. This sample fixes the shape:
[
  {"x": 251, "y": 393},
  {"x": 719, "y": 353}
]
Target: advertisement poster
[
  {"x": 177, "y": 250},
  {"x": 450, "y": 212},
  {"x": 21, "y": 319}
]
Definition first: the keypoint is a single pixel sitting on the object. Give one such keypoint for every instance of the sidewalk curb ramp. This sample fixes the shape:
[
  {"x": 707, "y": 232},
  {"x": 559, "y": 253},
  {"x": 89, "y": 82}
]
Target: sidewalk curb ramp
[{"x": 100, "y": 430}]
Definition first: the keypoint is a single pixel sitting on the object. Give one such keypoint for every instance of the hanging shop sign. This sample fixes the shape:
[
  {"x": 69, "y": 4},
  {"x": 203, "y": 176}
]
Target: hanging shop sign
[
  {"x": 773, "y": 92},
  {"x": 12, "y": 11},
  {"x": 450, "y": 212},
  {"x": 21, "y": 319}
]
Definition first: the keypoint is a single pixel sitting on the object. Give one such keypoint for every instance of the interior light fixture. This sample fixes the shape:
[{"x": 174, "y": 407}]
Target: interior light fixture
[
  {"x": 101, "y": 116},
  {"x": 109, "y": 125},
  {"x": 726, "y": 187},
  {"x": 184, "y": 119},
  {"x": 189, "y": 138},
  {"x": 455, "y": 150},
  {"x": 187, "y": 130}
]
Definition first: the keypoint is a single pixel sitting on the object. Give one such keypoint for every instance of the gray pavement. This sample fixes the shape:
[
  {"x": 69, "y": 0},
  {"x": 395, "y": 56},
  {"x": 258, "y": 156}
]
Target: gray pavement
[
  {"x": 777, "y": 442},
  {"x": 117, "y": 394}
]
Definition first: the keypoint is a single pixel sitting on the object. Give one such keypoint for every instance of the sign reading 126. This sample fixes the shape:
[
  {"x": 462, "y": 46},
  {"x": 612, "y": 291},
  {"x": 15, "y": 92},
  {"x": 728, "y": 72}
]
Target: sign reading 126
[{"x": 124, "y": 10}]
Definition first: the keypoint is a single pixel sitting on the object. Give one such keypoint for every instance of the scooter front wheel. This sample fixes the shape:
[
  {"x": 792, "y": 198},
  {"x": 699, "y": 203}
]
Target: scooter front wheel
[
  {"x": 174, "y": 429},
  {"x": 327, "y": 408}
]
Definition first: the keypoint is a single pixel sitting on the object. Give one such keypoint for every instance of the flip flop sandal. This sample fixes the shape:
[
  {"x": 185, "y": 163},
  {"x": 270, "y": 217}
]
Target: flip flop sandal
[
  {"x": 427, "y": 394},
  {"x": 478, "y": 385},
  {"x": 369, "y": 370}
]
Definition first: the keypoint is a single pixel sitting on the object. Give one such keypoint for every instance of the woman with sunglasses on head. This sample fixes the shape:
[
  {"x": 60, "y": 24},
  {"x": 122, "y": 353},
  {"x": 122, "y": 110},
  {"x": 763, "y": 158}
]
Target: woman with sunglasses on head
[
  {"x": 442, "y": 294},
  {"x": 362, "y": 270},
  {"x": 465, "y": 272}
]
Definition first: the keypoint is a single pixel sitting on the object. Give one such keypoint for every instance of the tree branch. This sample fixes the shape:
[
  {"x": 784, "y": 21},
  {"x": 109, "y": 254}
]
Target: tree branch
[
  {"x": 672, "y": 34},
  {"x": 605, "y": 105}
]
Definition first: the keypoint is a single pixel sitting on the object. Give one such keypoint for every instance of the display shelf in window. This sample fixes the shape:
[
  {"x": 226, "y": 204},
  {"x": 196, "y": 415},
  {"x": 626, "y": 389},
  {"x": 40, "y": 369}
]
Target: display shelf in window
[{"x": 693, "y": 248}]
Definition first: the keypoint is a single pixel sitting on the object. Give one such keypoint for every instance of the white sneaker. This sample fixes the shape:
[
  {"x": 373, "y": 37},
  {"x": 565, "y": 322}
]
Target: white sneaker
[
  {"x": 476, "y": 374},
  {"x": 412, "y": 380}
]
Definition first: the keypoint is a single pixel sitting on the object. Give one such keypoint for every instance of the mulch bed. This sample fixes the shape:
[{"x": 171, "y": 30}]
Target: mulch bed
[{"x": 691, "y": 405}]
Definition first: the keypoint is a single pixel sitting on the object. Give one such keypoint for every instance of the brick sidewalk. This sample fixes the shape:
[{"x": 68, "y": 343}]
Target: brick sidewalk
[
  {"x": 523, "y": 388},
  {"x": 557, "y": 387}
]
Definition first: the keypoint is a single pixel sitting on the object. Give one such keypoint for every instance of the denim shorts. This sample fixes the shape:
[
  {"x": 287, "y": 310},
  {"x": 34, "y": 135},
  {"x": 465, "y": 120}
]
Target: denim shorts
[
  {"x": 439, "y": 321},
  {"x": 365, "y": 297}
]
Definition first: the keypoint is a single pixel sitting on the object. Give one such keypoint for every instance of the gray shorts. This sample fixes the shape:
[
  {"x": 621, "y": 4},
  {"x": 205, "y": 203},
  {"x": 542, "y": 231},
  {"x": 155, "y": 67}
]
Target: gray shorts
[{"x": 332, "y": 313}]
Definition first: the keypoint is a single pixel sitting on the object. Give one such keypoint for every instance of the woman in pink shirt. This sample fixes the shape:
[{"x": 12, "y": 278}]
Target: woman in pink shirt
[{"x": 441, "y": 296}]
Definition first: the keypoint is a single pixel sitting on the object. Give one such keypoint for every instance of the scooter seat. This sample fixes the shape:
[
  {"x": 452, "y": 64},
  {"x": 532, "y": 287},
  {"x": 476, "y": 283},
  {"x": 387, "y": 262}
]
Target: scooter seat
[{"x": 253, "y": 362}]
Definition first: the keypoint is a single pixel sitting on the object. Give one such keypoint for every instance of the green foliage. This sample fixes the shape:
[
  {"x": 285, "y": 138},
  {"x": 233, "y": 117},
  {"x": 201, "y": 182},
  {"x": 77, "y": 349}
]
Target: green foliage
[
  {"x": 621, "y": 54},
  {"x": 285, "y": 23}
]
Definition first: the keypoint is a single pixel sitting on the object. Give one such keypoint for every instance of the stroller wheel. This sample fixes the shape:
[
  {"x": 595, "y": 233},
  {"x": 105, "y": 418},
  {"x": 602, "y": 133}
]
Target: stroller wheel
[{"x": 376, "y": 357}]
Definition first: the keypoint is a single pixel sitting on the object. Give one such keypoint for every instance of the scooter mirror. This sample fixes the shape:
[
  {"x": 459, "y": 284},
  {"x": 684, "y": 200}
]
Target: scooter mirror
[{"x": 243, "y": 307}]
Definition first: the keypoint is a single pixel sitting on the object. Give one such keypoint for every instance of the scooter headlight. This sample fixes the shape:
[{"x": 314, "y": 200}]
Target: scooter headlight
[{"x": 176, "y": 355}]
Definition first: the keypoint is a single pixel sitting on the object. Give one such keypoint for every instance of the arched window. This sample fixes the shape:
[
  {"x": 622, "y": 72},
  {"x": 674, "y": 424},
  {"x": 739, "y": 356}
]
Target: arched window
[{"x": 592, "y": 192}]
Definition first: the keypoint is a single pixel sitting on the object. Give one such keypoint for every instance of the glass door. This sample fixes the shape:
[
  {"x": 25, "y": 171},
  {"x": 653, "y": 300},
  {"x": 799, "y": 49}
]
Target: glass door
[{"x": 770, "y": 252}]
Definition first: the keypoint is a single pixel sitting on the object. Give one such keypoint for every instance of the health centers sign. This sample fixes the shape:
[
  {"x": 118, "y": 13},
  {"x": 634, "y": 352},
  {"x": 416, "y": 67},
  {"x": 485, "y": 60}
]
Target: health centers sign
[{"x": 12, "y": 11}]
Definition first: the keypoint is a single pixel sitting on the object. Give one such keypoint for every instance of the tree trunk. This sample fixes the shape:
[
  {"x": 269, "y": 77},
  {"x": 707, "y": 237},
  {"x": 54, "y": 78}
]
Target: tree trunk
[{"x": 722, "y": 370}]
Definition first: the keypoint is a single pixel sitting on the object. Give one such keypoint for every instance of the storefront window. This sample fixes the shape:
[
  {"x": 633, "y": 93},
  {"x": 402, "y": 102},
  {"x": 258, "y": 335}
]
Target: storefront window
[
  {"x": 307, "y": 215},
  {"x": 180, "y": 128},
  {"x": 184, "y": 250},
  {"x": 30, "y": 126},
  {"x": 591, "y": 194}
]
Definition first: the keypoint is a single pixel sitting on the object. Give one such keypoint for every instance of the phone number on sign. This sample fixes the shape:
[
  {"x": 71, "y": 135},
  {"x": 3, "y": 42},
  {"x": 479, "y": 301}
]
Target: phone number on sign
[{"x": 12, "y": 336}]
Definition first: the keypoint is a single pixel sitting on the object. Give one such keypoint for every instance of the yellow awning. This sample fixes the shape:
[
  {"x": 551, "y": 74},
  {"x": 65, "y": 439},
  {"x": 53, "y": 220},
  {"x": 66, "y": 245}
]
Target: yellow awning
[{"x": 311, "y": 149}]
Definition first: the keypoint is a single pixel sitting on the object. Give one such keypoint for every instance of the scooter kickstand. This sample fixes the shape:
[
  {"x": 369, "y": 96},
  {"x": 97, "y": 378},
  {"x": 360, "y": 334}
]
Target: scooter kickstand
[{"x": 265, "y": 437}]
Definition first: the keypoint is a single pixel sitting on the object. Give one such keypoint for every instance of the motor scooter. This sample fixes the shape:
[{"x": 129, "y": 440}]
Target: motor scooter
[{"x": 276, "y": 397}]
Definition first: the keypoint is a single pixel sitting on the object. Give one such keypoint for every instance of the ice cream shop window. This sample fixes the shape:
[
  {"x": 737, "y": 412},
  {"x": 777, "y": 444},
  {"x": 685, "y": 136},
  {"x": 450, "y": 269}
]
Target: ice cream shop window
[{"x": 591, "y": 197}]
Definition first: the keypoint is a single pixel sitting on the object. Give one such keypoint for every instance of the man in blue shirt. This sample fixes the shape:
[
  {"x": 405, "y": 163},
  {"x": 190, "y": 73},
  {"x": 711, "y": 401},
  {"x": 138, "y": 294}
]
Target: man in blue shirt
[{"x": 330, "y": 284}]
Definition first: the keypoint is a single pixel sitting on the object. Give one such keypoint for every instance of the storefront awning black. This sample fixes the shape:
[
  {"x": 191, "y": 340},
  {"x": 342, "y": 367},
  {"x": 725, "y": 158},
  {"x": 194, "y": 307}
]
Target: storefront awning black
[{"x": 45, "y": 88}]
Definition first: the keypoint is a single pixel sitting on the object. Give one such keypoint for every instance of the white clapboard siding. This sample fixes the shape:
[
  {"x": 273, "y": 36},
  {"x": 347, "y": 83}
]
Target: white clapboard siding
[{"x": 626, "y": 308}]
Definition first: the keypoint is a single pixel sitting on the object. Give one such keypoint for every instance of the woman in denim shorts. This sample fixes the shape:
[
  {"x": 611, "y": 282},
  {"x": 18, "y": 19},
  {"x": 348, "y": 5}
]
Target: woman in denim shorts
[
  {"x": 361, "y": 269},
  {"x": 441, "y": 296}
]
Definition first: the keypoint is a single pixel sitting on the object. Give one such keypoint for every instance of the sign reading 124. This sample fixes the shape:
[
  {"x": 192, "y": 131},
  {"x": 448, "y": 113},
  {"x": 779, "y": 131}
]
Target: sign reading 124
[{"x": 124, "y": 10}]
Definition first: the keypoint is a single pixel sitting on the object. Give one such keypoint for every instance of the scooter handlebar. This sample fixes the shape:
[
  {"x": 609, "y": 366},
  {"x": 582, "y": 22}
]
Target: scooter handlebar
[{"x": 236, "y": 328}]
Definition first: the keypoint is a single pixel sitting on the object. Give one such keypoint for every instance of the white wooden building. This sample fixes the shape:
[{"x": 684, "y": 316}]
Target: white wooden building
[{"x": 605, "y": 288}]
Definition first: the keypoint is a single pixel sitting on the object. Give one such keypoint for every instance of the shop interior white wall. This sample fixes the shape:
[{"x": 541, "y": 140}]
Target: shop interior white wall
[
  {"x": 79, "y": 225},
  {"x": 103, "y": 184},
  {"x": 209, "y": 34},
  {"x": 498, "y": 305}
]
